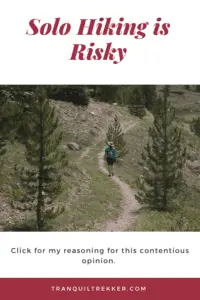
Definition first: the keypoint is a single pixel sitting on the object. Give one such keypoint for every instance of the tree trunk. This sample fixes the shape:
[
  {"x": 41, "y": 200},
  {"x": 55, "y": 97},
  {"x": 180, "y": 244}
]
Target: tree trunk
[
  {"x": 94, "y": 91},
  {"x": 165, "y": 187},
  {"x": 40, "y": 200}
]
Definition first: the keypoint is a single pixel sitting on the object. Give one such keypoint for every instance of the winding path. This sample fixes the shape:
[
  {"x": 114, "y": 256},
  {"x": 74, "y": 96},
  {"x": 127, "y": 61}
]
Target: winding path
[{"x": 129, "y": 204}]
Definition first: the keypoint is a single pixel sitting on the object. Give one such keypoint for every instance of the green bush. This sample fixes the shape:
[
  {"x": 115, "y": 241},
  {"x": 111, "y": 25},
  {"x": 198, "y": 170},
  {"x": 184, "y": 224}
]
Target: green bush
[{"x": 75, "y": 94}]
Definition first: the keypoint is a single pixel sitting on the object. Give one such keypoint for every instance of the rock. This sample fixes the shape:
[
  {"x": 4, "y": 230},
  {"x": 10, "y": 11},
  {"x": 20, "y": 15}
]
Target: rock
[
  {"x": 115, "y": 104},
  {"x": 93, "y": 113},
  {"x": 73, "y": 146},
  {"x": 64, "y": 147}
]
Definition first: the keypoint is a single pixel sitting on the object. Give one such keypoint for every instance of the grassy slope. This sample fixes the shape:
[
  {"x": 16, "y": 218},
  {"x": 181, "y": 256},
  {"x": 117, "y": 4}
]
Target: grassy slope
[
  {"x": 99, "y": 199},
  {"x": 91, "y": 198},
  {"x": 186, "y": 218}
]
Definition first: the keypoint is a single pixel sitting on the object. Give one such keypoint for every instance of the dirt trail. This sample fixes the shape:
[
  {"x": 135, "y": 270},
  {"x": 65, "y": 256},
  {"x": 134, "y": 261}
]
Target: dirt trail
[
  {"x": 127, "y": 126},
  {"x": 129, "y": 205},
  {"x": 88, "y": 149}
]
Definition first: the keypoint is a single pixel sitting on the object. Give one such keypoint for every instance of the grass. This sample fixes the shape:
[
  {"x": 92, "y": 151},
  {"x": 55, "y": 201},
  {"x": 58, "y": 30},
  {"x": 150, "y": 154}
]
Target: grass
[
  {"x": 13, "y": 156},
  {"x": 185, "y": 220},
  {"x": 99, "y": 200},
  {"x": 92, "y": 198},
  {"x": 187, "y": 217},
  {"x": 136, "y": 138}
]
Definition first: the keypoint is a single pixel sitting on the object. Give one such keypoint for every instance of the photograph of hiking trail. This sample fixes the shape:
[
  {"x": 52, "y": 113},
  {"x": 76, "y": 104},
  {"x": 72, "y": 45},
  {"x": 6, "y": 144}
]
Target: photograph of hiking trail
[{"x": 99, "y": 158}]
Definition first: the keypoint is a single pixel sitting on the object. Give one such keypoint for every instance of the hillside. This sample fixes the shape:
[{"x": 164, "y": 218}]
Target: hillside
[
  {"x": 186, "y": 217},
  {"x": 94, "y": 202},
  {"x": 87, "y": 202}
]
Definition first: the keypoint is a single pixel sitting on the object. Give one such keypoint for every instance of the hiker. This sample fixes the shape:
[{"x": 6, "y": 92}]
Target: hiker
[{"x": 110, "y": 157}]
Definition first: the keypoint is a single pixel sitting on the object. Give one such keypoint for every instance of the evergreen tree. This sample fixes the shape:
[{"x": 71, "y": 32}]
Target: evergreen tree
[
  {"x": 6, "y": 114},
  {"x": 156, "y": 106},
  {"x": 136, "y": 102},
  {"x": 2, "y": 127},
  {"x": 15, "y": 109},
  {"x": 197, "y": 88},
  {"x": 76, "y": 94},
  {"x": 108, "y": 93},
  {"x": 163, "y": 158},
  {"x": 149, "y": 95},
  {"x": 116, "y": 135},
  {"x": 2, "y": 144},
  {"x": 42, "y": 178},
  {"x": 93, "y": 90},
  {"x": 123, "y": 94}
]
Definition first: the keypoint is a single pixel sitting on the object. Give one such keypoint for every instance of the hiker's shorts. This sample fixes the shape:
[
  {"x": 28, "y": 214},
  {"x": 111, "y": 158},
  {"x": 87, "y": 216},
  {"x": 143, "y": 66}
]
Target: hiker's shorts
[{"x": 110, "y": 161}]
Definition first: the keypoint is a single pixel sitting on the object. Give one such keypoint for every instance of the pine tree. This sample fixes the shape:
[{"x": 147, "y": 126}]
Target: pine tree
[
  {"x": 156, "y": 106},
  {"x": 197, "y": 88},
  {"x": 5, "y": 115},
  {"x": 42, "y": 178},
  {"x": 149, "y": 95},
  {"x": 16, "y": 103},
  {"x": 116, "y": 135},
  {"x": 108, "y": 93},
  {"x": 2, "y": 128},
  {"x": 77, "y": 94},
  {"x": 2, "y": 145},
  {"x": 163, "y": 158},
  {"x": 136, "y": 102},
  {"x": 93, "y": 90}
]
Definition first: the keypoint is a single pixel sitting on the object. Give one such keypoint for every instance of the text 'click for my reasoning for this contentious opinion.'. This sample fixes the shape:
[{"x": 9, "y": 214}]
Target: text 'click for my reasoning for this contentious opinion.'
[{"x": 98, "y": 255}]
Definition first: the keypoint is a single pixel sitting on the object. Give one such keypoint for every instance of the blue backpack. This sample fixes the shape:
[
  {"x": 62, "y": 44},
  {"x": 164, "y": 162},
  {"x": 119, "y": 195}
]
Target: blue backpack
[{"x": 111, "y": 154}]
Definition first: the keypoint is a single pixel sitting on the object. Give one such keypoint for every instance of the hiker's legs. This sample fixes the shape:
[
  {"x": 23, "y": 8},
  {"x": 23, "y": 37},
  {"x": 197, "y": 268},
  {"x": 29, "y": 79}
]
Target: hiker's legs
[
  {"x": 109, "y": 162},
  {"x": 110, "y": 170}
]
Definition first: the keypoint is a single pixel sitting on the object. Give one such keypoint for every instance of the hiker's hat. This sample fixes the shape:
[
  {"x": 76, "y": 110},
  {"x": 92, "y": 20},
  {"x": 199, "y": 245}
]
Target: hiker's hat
[{"x": 110, "y": 143}]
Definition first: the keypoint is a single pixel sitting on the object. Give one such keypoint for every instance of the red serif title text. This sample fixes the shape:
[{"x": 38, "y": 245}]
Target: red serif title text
[{"x": 98, "y": 27}]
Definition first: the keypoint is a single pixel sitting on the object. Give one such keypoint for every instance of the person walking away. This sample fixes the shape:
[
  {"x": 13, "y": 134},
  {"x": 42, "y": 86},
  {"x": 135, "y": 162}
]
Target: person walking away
[{"x": 110, "y": 157}]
